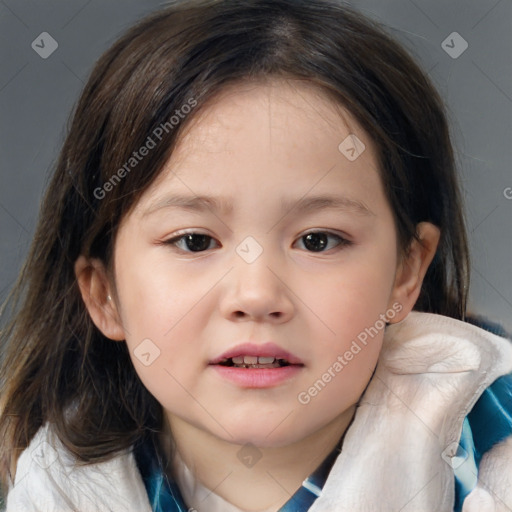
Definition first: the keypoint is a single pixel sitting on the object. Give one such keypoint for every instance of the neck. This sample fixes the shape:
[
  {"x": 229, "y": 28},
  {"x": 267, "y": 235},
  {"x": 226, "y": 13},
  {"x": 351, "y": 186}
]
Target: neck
[{"x": 264, "y": 486}]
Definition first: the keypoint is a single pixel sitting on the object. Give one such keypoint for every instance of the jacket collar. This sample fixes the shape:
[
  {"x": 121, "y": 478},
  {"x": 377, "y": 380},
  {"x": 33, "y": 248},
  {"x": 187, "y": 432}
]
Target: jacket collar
[{"x": 431, "y": 371}]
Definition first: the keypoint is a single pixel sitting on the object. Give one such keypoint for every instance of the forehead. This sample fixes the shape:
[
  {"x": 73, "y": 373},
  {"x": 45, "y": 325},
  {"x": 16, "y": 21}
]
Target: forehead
[
  {"x": 269, "y": 110},
  {"x": 256, "y": 138}
]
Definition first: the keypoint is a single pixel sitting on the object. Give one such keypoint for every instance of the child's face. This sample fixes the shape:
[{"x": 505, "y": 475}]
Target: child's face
[{"x": 260, "y": 147}]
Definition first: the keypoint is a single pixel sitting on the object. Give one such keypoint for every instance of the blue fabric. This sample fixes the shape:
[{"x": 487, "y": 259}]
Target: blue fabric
[
  {"x": 466, "y": 475},
  {"x": 164, "y": 495},
  {"x": 488, "y": 423}
]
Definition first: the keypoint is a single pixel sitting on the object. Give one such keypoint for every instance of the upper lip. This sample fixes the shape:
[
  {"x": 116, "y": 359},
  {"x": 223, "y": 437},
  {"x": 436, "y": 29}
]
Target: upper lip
[{"x": 263, "y": 350}]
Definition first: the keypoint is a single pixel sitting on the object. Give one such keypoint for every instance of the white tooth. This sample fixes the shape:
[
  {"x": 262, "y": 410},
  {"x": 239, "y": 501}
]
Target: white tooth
[
  {"x": 238, "y": 360},
  {"x": 250, "y": 359},
  {"x": 266, "y": 360}
]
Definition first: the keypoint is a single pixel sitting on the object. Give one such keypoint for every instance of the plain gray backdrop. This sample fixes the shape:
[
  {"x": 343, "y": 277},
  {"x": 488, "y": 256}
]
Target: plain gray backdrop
[{"x": 37, "y": 95}]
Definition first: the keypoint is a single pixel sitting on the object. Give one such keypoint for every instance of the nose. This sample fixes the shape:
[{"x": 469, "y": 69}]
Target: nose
[{"x": 257, "y": 291}]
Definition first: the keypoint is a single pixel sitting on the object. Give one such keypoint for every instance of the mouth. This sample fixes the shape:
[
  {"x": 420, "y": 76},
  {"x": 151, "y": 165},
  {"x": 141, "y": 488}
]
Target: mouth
[
  {"x": 254, "y": 362},
  {"x": 251, "y": 355},
  {"x": 257, "y": 366}
]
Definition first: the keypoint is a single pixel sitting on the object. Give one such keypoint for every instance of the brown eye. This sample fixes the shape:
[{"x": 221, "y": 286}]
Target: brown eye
[
  {"x": 191, "y": 242},
  {"x": 318, "y": 241}
]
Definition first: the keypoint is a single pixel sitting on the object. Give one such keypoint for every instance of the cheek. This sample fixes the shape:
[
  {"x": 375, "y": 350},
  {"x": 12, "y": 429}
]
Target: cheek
[
  {"x": 353, "y": 295},
  {"x": 344, "y": 361},
  {"x": 163, "y": 315},
  {"x": 351, "y": 302},
  {"x": 163, "y": 342},
  {"x": 155, "y": 295}
]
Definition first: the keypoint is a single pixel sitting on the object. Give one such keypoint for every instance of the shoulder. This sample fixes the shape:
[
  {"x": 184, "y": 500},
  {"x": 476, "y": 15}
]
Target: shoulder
[{"x": 49, "y": 478}]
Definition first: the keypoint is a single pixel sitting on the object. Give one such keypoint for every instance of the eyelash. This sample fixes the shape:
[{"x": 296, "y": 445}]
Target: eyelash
[{"x": 342, "y": 242}]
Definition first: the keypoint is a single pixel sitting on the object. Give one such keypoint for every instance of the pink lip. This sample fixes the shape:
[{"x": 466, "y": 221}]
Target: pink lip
[
  {"x": 257, "y": 377},
  {"x": 264, "y": 350}
]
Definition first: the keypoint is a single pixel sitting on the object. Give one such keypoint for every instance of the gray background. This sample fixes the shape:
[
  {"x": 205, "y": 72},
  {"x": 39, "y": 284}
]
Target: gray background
[{"x": 37, "y": 95}]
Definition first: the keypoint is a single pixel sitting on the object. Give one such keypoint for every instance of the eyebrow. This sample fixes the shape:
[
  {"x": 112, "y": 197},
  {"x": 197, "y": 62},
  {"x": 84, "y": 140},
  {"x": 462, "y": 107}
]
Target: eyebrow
[{"x": 221, "y": 204}]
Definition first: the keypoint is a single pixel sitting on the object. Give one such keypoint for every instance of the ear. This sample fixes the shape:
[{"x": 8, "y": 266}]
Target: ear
[
  {"x": 95, "y": 289},
  {"x": 412, "y": 268}
]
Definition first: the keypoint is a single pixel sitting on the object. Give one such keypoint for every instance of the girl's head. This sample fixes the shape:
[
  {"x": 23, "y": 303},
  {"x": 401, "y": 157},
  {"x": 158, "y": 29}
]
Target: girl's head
[{"x": 274, "y": 108}]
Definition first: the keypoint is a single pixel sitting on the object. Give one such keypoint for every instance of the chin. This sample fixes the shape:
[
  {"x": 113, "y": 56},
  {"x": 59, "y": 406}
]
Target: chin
[{"x": 261, "y": 434}]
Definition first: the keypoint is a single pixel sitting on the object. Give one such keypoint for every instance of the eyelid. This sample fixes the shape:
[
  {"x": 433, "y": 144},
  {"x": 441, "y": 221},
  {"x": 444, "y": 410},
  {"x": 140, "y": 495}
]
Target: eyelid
[
  {"x": 328, "y": 231},
  {"x": 191, "y": 231}
]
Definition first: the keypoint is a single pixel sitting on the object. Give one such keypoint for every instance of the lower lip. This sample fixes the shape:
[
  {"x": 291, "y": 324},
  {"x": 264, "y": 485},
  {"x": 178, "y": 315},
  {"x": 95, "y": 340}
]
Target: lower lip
[{"x": 257, "y": 377}]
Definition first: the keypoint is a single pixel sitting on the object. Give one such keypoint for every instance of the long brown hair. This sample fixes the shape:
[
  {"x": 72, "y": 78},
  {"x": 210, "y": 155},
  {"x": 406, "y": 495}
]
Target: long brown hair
[{"x": 55, "y": 359}]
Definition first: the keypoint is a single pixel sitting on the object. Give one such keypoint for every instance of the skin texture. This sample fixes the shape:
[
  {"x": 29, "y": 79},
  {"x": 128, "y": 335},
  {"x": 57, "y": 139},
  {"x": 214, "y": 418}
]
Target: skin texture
[{"x": 258, "y": 145}]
